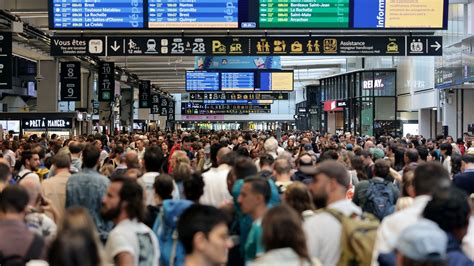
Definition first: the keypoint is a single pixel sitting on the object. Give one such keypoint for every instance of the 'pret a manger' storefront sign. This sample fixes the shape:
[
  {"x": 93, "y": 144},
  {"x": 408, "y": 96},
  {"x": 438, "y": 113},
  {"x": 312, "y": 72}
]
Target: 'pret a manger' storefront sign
[{"x": 43, "y": 123}]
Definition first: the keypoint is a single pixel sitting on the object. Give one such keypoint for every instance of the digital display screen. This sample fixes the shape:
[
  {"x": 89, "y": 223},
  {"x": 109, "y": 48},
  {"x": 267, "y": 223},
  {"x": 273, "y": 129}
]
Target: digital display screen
[
  {"x": 247, "y": 14},
  {"x": 96, "y": 14},
  {"x": 276, "y": 81},
  {"x": 237, "y": 81},
  {"x": 387, "y": 14},
  {"x": 304, "y": 14},
  {"x": 202, "y": 81},
  {"x": 220, "y": 14}
]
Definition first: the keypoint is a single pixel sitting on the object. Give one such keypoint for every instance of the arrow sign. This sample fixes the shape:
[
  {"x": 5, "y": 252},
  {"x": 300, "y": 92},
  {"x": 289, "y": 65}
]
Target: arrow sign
[
  {"x": 115, "y": 47},
  {"x": 437, "y": 46}
]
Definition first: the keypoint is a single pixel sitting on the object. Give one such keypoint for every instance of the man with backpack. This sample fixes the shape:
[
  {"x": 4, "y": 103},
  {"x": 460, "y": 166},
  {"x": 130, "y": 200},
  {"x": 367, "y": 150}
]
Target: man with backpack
[
  {"x": 330, "y": 232},
  {"x": 130, "y": 243},
  {"x": 378, "y": 195},
  {"x": 18, "y": 244},
  {"x": 428, "y": 178},
  {"x": 30, "y": 161}
]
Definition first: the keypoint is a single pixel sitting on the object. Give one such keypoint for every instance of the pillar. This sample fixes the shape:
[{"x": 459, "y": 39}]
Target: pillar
[{"x": 48, "y": 87}]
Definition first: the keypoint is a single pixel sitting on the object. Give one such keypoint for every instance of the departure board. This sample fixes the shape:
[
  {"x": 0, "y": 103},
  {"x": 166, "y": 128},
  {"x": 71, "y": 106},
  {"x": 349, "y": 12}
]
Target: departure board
[
  {"x": 237, "y": 81},
  {"x": 181, "y": 14},
  {"x": 202, "y": 81},
  {"x": 304, "y": 14},
  {"x": 96, "y": 14}
]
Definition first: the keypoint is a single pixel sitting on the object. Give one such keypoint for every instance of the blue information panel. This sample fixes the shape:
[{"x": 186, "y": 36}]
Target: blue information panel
[
  {"x": 220, "y": 14},
  {"x": 202, "y": 81},
  {"x": 237, "y": 81},
  {"x": 96, "y": 14}
]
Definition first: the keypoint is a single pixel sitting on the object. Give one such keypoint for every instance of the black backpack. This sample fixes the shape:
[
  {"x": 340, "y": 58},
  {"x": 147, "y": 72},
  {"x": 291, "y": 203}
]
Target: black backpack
[
  {"x": 33, "y": 252},
  {"x": 18, "y": 178}
]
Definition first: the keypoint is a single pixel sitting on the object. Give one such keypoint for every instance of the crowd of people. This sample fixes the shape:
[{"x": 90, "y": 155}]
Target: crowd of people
[{"x": 259, "y": 198}]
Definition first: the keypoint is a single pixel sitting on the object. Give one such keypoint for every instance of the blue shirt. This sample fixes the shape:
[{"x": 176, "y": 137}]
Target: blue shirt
[{"x": 86, "y": 189}]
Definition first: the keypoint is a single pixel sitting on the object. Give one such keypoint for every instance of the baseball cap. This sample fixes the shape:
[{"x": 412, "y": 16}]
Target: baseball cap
[
  {"x": 423, "y": 241},
  {"x": 349, "y": 147},
  {"x": 308, "y": 147}
]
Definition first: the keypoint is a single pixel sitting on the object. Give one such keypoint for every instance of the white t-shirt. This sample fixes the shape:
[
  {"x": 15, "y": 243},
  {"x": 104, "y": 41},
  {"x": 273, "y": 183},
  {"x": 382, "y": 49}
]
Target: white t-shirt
[
  {"x": 215, "y": 186},
  {"x": 147, "y": 180},
  {"x": 133, "y": 237}
]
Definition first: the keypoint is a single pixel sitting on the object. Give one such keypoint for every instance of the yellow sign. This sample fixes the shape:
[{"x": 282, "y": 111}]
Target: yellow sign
[
  {"x": 236, "y": 48},
  {"x": 282, "y": 81},
  {"x": 330, "y": 46},
  {"x": 218, "y": 47},
  {"x": 414, "y": 14},
  {"x": 279, "y": 46},
  {"x": 296, "y": 47},
  {"x": 263, "y": 46},
  {"x": 392, "y": 47},
  {"x": 313, "y": 48}
]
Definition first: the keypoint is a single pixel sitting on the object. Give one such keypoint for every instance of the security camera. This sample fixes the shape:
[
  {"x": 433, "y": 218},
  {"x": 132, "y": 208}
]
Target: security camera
[{"x": 39, "y": 78}]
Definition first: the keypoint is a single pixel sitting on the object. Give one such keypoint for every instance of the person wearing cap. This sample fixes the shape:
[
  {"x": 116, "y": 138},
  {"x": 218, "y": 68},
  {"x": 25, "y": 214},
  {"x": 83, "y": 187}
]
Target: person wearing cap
[
  {"x": 450, "y": 209},
  {"x": 422, "y": 243},
  {"x": 428, "y": 178},
  {"x": 323, "y": 231},
  {"x": 465, "y": 180}
]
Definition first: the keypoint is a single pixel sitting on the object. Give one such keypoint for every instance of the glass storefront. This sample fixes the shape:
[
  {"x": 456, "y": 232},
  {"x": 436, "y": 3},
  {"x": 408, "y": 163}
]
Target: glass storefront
[{"x": 370, "y": 97}]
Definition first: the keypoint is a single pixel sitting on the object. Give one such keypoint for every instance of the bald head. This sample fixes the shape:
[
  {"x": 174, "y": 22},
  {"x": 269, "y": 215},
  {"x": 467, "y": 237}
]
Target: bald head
[
  {"x": 33, "y": 187},
  {"x": 131, "y": 159},
  {"x": 368, "y": 144},
  {"x": 221, "y": 154}
]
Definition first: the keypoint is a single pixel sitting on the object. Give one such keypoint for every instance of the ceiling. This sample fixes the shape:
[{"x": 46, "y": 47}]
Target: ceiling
[{"x": 166, "y": 73}]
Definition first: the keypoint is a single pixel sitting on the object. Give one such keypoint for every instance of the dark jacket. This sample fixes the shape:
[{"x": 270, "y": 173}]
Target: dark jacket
[
  {"x": 465, "y": 181},
  {"x": 456, "y": 256},
  {"x": 300, "y": 176}
]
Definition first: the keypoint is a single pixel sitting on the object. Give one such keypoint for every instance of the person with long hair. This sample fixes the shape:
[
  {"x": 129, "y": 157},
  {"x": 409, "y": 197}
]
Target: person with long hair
[
  {"x": 298, "y": 196},
  {"x": 284, "y": 239},
  {"x": 78, "y": 242}
]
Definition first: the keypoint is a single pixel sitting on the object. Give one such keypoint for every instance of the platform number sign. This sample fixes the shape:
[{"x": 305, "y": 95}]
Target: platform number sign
[
  {"x": 70, "y": 81},
  {"x": 144, "y": 94},
  {"x": 164, "y": 106},
  {"x": 155, "y": 104},
  {"x": 171, "y": 110},
  {"x": 106, "y": 81}
]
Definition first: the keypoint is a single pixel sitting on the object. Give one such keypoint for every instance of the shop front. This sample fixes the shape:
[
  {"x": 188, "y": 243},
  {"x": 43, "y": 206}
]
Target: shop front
[
  {"x": 360, "y": 102},
  {"x": 28, "y": 124}
]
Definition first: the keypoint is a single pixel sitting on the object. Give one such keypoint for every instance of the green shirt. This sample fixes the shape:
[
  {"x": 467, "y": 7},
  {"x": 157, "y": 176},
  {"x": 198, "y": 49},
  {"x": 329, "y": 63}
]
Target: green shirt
[{"x": 253, "y": 245}]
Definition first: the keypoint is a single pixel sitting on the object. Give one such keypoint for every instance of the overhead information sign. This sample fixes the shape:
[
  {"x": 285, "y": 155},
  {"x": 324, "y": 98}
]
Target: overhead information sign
[
  {"x": 304, "y": 14},
  {"x": 247, "y": 14},
  {"x": 431, "y": 45},
  {"x": 144, "y": 91},
  {"x": 96, "y": 14},
  {"x": 155, "y": 104},
  {"x": 106, "y": 84},
  {"x": 193, "y": 14},
  {"x": 249, "y": 46},
  {"x": 70, "y": 81},
  {"x": 5, "y": 60},
  {"x": 77, "y": 46}
]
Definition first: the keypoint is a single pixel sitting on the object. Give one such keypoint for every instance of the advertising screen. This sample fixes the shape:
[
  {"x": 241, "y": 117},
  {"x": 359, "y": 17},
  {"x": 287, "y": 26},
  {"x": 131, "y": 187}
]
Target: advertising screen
[
  {"x": 193, "y": 14},
  {"x": 202, "y": 81},
  {"x": 276, "y": 81},
  {"x": 304, "y": 14},
  {"x": 387, "y": 14},
  {"x": 97, "y": 14}
]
